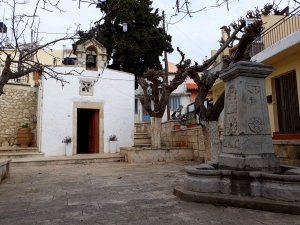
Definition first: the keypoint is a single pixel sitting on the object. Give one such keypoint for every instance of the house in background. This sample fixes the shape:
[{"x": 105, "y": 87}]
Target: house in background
[
  {"x": 181, "y": 96},
  {"x": 279, "y": 46}
]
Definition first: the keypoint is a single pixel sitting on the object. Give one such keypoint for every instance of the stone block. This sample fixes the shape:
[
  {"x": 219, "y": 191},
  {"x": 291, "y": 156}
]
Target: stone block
[
  {"x": 195, "y": 153},
  {"x": 264, "y": 162},
  {"x": 293, "y": 151},
  {"x": 5, "y": 144}
]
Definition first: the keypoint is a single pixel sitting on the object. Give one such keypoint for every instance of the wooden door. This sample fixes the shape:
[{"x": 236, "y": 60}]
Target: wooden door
[
  {"x": 94, "y": 132},
  {"x": 287, "y": 103}
]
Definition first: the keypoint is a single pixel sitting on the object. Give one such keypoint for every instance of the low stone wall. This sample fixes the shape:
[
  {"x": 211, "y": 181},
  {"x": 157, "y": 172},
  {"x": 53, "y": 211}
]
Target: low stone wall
[
  {"x": 288, "y": 151},
  {"x": 190, "y": 137},
  {"x": 4, "y": 169},
  {"x": 150, "y": 155},
  {"x": 17, "y": 107}
]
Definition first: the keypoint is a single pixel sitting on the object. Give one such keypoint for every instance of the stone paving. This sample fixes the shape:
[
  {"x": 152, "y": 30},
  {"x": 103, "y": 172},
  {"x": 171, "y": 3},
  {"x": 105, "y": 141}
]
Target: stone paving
[{"x": 113, "y": 193}]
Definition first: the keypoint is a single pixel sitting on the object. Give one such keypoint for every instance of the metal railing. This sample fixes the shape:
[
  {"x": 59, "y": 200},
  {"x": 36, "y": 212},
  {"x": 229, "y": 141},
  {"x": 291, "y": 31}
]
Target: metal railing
[
  {"x": 216, "y": 68},
  {"x": 20, "y": 80},
  {"x": 287, "y": 25}
]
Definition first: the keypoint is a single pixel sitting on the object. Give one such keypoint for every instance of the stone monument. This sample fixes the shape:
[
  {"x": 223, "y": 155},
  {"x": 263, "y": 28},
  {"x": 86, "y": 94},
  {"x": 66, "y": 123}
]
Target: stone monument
[
  {"x": 247, "y": 165},
  {"x": 247, "y": 141}
]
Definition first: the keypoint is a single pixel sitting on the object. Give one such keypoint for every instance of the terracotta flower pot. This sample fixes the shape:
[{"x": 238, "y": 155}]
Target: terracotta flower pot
[
  {"x": 191, "y": 125},
  {"x": 24, "y": 137}
]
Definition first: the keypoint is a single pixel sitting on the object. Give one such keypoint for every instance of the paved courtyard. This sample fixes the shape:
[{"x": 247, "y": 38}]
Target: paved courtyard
[{"x": 113, "y": 193}]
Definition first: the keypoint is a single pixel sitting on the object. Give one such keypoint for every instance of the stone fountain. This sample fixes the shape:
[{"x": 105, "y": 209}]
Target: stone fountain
[{"x": 248, "y": 173}]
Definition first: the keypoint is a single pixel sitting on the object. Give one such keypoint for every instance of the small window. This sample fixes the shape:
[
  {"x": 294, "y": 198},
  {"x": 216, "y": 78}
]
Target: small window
[
  {"x": 86, "y": 88},
  {"x": 174, "y": 102}
]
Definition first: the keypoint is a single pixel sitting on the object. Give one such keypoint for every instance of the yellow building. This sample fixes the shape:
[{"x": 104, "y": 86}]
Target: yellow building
[
  {"x": 278, "y": 46},
  {"x": 45, "y": 57}
]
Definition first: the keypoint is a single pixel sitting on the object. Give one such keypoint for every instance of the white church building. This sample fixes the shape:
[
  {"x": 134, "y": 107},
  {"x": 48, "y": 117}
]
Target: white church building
[{"x": 95, "y": 103}]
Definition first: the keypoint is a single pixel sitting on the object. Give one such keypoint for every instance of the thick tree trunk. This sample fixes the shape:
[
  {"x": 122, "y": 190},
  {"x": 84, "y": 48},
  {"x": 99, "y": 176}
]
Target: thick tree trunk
[
  {"x": 4, "y": 78},
  {"x": 211, "y": 141},
  {"x": 155, "y": 132}
]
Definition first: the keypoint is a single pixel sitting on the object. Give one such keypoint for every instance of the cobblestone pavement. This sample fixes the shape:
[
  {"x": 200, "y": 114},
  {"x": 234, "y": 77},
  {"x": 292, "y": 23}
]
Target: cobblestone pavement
[{"x": 113, "y": 193}]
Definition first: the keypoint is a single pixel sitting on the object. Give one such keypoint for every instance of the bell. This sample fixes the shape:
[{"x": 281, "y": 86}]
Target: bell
[{"x": 90, "y": 60}]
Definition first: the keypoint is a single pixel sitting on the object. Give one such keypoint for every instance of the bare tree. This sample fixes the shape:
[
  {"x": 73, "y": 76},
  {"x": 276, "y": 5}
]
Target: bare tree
[
  {"x": 157, "y": 91},
  {"x": 22, "y": 58}
]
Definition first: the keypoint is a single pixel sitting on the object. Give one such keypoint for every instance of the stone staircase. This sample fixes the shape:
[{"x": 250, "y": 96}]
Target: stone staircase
[
  {"x": 32, "y": 157},
  {"x": 18, "y": 152},
  {"x": 142, "y": 140},
  {"x": 142, "y": 136}
]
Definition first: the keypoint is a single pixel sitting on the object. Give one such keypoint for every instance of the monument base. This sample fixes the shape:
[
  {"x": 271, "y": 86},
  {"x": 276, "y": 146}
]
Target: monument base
[
  {"x": 241, "y": 162},
  {"x": 281, "y": 187}
]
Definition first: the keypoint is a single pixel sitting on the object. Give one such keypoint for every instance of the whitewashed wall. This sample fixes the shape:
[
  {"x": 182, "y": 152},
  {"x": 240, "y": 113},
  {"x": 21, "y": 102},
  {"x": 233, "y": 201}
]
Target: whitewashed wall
[
  {"x": 114, "y": 89},
  {"x": 180, "y": 91}
]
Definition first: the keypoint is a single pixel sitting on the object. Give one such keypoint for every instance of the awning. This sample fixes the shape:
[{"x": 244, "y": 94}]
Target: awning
[{"x": 191, "y": 87}]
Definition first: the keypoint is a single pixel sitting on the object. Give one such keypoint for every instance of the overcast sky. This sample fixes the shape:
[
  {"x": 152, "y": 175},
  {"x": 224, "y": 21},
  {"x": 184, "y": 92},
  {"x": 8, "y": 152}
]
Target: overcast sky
[{"x": 196, "y": 36}]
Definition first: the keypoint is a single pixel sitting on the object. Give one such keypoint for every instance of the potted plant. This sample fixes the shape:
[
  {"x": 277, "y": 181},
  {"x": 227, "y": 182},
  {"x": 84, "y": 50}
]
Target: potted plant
[
  {"x": 113, "y": 143},
  {"x": 24, "y": 135},
  {"x": 68, "y": 140}
]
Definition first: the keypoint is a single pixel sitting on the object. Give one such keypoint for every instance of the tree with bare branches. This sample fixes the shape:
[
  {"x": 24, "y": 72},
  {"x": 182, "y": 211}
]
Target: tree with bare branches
[
  {"x": 157, "y": 91},
  {"x": 22, "y": 58}
]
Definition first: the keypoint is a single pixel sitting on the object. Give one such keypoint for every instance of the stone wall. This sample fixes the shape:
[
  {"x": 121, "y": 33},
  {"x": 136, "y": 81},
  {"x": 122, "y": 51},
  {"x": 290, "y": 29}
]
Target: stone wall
[
  {"x": 142, "y": 127},
  {"x": 17, "y": 107},
  {"x": 288, "y": 151},
  {"x": 190, "y": 137}
]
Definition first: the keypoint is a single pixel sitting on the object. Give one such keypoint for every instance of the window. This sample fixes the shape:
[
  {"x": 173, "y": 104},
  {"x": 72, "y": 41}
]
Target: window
[
  {"x": 135, "y": 106},
  {"x": 86, "y": 88},
  {"x": 174, "y": 102}
]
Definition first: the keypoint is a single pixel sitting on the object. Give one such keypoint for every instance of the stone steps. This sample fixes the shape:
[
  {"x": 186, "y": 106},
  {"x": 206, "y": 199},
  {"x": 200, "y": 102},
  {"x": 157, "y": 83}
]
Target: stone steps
[
  {"x": 62, "y": 160},
  {"x": 142, "y": 146},
  {"x": 141, "y": 135},
  {"x": 18, "y": 149},
  {"x": 19, "y": 152},
  {"x": 138, "y": 141},
  {"x": 14, "y": 155},
  {"x": 142, "y": 139}
]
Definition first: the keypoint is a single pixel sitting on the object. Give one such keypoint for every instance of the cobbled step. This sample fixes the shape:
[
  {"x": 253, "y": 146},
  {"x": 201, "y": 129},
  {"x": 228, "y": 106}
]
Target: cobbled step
[
  {"x": 18, "y": 149},
  {"x": 141, "y": 135},
  {"x": 20, "y": 155},
  {"x": 63, "y": 160},
  {"x": 138, "y": 141},
  {"x": 142, "y": 145}
]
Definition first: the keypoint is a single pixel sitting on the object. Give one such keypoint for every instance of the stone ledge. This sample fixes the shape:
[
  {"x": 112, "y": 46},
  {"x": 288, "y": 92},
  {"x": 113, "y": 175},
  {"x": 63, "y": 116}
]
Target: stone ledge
[
  {"x": 150, "y": 155},
  {"x": 286, "y": 142},
  {"x": 256, "y": 203},
  {"x": 4, "y": 169},
  {"x": 64, "y": 160}
]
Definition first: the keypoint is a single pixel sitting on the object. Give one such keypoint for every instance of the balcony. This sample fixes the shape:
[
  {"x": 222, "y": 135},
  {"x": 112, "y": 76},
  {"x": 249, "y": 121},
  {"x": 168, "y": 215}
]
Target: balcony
[
  {"x": 282, "y": 29},
  {"x": 22, "y": 80}
]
